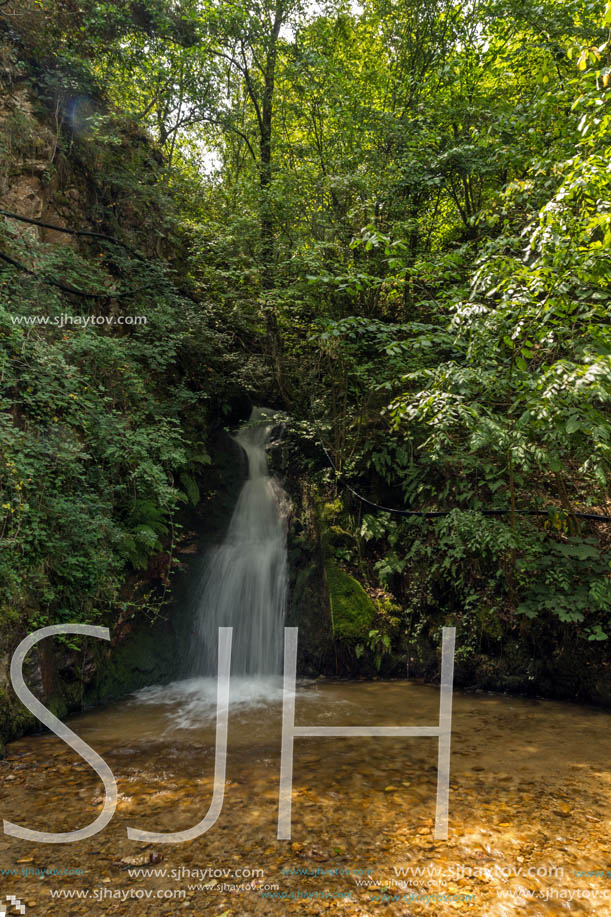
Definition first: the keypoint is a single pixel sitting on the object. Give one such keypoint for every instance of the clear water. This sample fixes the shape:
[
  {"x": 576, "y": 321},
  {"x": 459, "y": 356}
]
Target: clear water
[{"x": 529, "y": 787}]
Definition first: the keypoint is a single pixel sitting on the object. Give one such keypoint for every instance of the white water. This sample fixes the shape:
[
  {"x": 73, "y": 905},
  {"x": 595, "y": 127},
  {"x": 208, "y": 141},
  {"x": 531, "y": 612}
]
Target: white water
[
  {"x": 244, "y": 586},
  {"x": 191, "y": 703},
  {"x": 245, "y": 582}
]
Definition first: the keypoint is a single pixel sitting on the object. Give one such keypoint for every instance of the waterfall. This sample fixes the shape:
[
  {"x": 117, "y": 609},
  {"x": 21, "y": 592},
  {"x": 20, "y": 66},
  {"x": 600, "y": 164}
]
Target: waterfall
[{"x": 245, "y": 581}]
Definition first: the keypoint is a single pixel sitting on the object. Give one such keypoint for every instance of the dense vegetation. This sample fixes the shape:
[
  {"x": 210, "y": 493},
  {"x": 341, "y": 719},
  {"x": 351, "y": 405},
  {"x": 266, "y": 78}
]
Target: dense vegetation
[{"x": 393, "y": 221}]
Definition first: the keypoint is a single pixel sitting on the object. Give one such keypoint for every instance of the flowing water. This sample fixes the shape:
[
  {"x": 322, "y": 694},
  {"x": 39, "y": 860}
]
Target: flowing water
[
  {"x": 245, "y": 581},
  {"x": 529, "y": 793}
]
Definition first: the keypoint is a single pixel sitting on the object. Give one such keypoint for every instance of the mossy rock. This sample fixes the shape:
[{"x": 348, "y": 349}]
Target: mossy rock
[
  {"x": 14, "y": 720},
  {"x": 352, "y": 611}
]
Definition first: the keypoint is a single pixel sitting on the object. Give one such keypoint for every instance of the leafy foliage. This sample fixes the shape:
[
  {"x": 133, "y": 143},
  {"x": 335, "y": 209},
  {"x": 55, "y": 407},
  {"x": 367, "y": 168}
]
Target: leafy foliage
[{"x": 394, "y": 222}]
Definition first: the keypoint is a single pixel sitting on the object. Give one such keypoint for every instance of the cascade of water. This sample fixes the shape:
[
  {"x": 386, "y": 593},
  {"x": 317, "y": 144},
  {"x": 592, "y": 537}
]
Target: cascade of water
[{"x": 245, "y": 582}]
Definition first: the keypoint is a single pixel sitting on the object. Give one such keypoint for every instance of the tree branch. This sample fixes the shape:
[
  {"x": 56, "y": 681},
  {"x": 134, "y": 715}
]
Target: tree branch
[
  {"x": 235, "y": 130},
  {"x": 68, "y": 289},
  {"x": 72, "y": 232},
  {"x": 250, "y": 88}
]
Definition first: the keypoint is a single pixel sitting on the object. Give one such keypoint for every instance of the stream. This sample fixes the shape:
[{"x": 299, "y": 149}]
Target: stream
[{"x": 529, "y": 789}]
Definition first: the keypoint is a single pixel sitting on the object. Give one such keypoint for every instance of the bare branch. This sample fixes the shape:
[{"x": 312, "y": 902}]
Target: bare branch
[
  {"x": 73, "y": 232},
  {"x": 72, "y": 290},
  {"x": 250, "y": 88}
]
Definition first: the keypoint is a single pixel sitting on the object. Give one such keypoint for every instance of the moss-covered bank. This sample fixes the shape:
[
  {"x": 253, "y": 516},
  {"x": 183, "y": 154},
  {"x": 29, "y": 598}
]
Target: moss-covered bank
[{"x": 144, "y": 649}]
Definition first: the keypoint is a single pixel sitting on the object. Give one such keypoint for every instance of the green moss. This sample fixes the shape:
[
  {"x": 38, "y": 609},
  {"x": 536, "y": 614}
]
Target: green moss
[
  {"x": 352, "y": 611},
  {"x": 58, "y": 706},
  {"x": 14, "y": 720},
  {"x": 148, "y": 657}
]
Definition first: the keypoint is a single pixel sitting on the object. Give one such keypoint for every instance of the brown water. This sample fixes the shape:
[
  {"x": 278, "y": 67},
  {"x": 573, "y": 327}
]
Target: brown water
[{"x": 530, "y": 787}]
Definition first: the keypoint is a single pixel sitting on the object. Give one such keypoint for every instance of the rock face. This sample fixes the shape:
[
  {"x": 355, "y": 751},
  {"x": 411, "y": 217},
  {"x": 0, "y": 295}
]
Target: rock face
[
  {"x": 330, "y": 606},
  {"x": 66, "y": 680},
  {"x": 32, "y": 179},
  {"x": 21, "y": 187}
]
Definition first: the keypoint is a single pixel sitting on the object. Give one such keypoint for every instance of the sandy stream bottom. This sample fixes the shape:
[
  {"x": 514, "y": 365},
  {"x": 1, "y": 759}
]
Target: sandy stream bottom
[{"x": 530, "y": 788}]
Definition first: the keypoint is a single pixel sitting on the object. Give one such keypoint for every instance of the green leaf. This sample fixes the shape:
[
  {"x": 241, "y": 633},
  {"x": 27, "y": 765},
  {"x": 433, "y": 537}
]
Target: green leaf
[{"x": 191, "y": 489}]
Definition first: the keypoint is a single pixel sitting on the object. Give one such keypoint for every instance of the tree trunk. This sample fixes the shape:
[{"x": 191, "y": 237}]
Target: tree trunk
[{"x": 265, "y": 182}]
